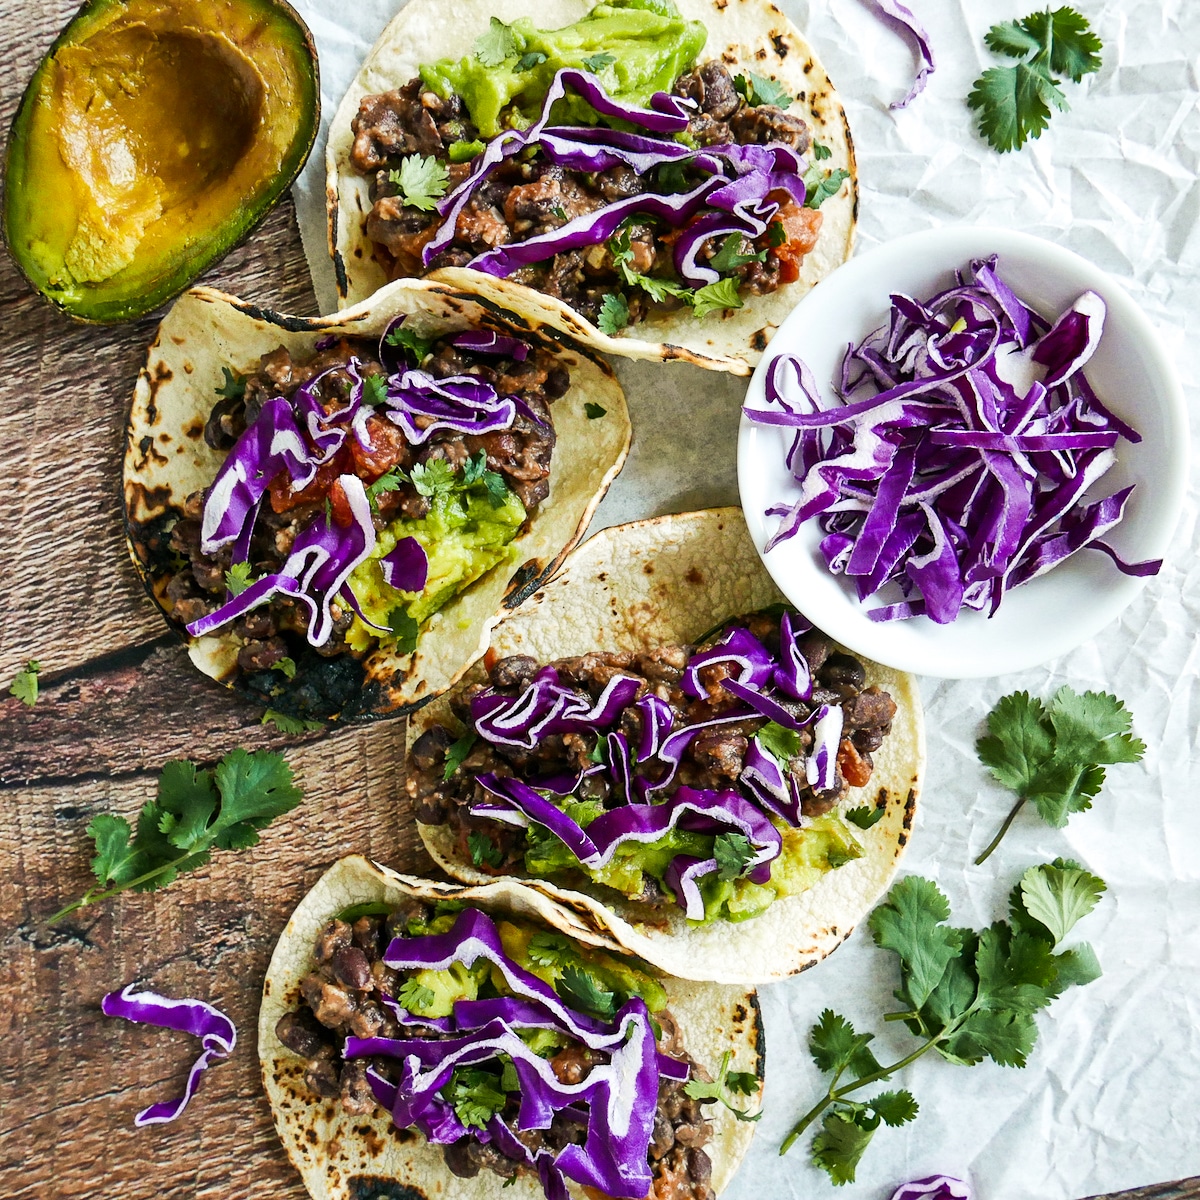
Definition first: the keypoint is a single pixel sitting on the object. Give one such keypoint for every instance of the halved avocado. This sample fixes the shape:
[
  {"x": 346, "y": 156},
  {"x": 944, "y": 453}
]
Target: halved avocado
[{"x": 149, "y": 141}]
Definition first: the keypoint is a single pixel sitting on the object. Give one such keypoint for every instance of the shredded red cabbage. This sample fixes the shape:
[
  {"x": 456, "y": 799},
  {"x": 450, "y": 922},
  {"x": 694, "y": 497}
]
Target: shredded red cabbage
[
  {"x": 618, "y": 1098},
  {"x": 899, "y": 14},
  {"x": 732, "y": 198},
  {"x": 947, "y": 479},
  {"x": 215, "y": 1030},
  {"x": 296, "y": 437},
  {"x": 933, "y": 1187},
  {"x": 747, "y": 671}
]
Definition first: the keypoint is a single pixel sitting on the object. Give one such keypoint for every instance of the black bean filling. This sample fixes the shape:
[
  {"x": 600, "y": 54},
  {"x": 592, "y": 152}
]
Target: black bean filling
[
  {"x": 713, "y": 760},
  {"x": 521, "y": 454},
  {"x": 341, "y": 997},
  {"x": 523, "y": 199}
]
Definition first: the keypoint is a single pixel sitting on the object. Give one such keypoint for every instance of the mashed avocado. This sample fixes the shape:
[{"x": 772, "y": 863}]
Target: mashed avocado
[
  {"x": 808, "y": 853},
  {"x": 649, "y": 44},
  {"x": 464, "y": 535}
]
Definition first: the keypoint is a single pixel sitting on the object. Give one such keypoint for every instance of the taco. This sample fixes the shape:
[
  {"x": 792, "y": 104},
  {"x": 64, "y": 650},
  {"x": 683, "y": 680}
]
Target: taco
[
  {"x": 333, "y": 511},
  {"x": 669, "y": 176},
  {"x": 658, "y": 743},
  {"x": 420, "y": 1039}
]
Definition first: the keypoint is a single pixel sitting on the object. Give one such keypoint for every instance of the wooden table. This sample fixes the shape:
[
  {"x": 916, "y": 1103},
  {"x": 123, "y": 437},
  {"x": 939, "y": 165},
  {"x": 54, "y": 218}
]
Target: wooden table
[{"x": 118, "y": 699}]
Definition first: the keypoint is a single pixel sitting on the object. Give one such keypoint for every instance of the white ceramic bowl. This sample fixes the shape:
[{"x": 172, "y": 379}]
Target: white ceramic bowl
[{"x": 1055, "y": 612}]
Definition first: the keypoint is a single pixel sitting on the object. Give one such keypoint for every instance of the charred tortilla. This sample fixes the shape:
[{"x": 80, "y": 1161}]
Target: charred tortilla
[
  {"x": 207, "y": 334},
  {"x": 743, "y": 34},
  {"x": 343, "y": 1157},
  {"x": 669, "y": 581}
]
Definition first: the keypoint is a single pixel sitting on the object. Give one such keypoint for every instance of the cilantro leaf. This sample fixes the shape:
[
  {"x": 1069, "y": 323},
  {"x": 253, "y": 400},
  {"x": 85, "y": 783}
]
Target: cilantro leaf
[
  {"x": 864, "y": 817},
  {"x": 1078, "y": 966},
  {"x": 894, "y": 1108},
  {"x": 731, "y": 256},
  {"x": 553, "y": 950},
  {"x": 839, "y": 1146},
  {"x": 820, "y": 151},
  {"x": 821, "y": 186},
  {"x": 1054, "y": 755},
  {"x": 756, "y": 90},
  {"x": 527, "y": 62},
  {"x": 1059, "y": 894},
  {"x": 475, "y": 472},
  {"x": 368, "y": 908},
  {"x": 594, "y": 411},
  {"x": 375, "y": 390},
  {"x": 837, "y": 1048},
  {"x": 597, "y": 62},
  {"x": 287, "y": 666},
  {"x": 457, "y": 753},
  {"x": 911, "y": 922},
  {"x": 234, "y": 387},
  {"x": 388, "y": 482},
  {"x": 744, "y": 1083},
  {"x": 714, "y": 297},
  {"x": 476, "y": 1096},
  {"x": 414, "y": 995},
  {"x": 614, "y": 314},
  {"x": 25, "y": 683},
  {"x": 404, "y": 629},
  {"x": 238, "y": 578},
  {"x": 483, "y": 849},
  {"x": 404, "y": 337},
  {"x": 582, "y": 991},
  {"x": 783, "y": 744},
  {"x": 497, "y": 44},
  {"x": 194, "y": 811},
  {"x": 433, "y": 478},
  {"x": 1073, "y": 48},
  {"x": 619, "y": 246},
  {"x": 289, "y": 724},
  {"x": 733, "y": 852},
  {"x": 421, "y": 180}
]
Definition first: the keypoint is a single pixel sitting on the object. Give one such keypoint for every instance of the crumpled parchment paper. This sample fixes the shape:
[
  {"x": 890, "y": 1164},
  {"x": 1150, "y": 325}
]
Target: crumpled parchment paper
[{"x": 1111, "y": 1096}]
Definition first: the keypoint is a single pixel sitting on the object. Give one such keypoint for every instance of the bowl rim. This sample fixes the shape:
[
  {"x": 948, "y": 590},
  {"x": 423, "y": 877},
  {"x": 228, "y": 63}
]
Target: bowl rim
[{"x": 924, "y": 647}]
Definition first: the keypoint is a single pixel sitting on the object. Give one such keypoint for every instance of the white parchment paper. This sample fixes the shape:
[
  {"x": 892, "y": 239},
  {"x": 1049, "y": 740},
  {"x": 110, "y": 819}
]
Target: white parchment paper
[{"x": 1111, "y": 1096}]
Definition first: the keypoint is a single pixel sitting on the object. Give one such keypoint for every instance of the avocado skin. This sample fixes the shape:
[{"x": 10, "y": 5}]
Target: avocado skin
[{"x": 155, "y": 277}]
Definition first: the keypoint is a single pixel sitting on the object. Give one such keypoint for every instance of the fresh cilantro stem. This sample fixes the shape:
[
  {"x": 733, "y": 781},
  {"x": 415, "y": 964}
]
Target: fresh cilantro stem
[
  {"x": 95, "y": 895},
  {"x": 835, "y": 1093},
  {"x": 1012, "y": 816}
]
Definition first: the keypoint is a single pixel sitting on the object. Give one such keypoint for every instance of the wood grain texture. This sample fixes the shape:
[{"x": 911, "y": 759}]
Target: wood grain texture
[{"x": 119, "y": 699}]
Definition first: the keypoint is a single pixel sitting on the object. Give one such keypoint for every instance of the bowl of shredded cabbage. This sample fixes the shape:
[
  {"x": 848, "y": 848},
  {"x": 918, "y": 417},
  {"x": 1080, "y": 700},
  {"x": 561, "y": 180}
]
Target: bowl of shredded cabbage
[{"x": 964, "y": 453}]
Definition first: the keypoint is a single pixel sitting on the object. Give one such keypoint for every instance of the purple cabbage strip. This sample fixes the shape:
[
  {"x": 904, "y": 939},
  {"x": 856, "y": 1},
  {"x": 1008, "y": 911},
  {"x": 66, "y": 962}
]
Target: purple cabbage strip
[
  {"x": 899, "y": 14},
  {"x": 406, "y": 566},
  {"x": 949, "y": 484},
  {"x": 933, "y": 1187},
  {"x": 740, "y": 647},
  {"x": 216, "y": 1032},
  {"x": 316, "y": 570},
  {"x": 421, "y": 405},
  {"x": 682, "y": 877},
  {"x": 488, "y": 341}
]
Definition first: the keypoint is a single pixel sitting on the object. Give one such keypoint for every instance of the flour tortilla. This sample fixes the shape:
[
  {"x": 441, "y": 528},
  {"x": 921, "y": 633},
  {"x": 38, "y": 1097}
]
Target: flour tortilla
[
  {"x": 747, "y": 34},
  {"x": 340, "y": 1157},
  {"x": 670, "y": 580},
  {"x": 166, "y": 458}
]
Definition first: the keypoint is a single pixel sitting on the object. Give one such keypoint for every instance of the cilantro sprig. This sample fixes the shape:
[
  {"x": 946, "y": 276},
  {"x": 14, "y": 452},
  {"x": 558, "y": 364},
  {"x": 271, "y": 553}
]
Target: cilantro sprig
[
  {"x": 25, "y": 683},
  {"x": 1014, "y": 103},
  {"x": 195, "y": 812},
  {"x": 756, "y": 90},
  {"x": 722, "y": 1089},
  {"x": 1053, "y": 755},
  {"x": 421, "y": 179},
  {"x": 497, "y": 44},
  {"x": 967, "y": 994}
]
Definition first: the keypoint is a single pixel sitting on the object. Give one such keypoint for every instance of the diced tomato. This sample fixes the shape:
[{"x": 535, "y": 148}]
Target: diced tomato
[
  {"x": 388, "y": 448},
  {"x": 800, "y": 229},
  {"x": 339, "y": 505},
  {"x": 283, "y": 498}
]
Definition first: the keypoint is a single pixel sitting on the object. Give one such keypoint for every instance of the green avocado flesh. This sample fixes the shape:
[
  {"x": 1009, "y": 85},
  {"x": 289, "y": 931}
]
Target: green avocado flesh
[
  {"x": 150, "y": 140},
  {"x": 463, "y": 535},
  {"x": 650, "y": 44},
  {"x": 808, "y": 853},
  {"x": 580, "y": 974}
]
